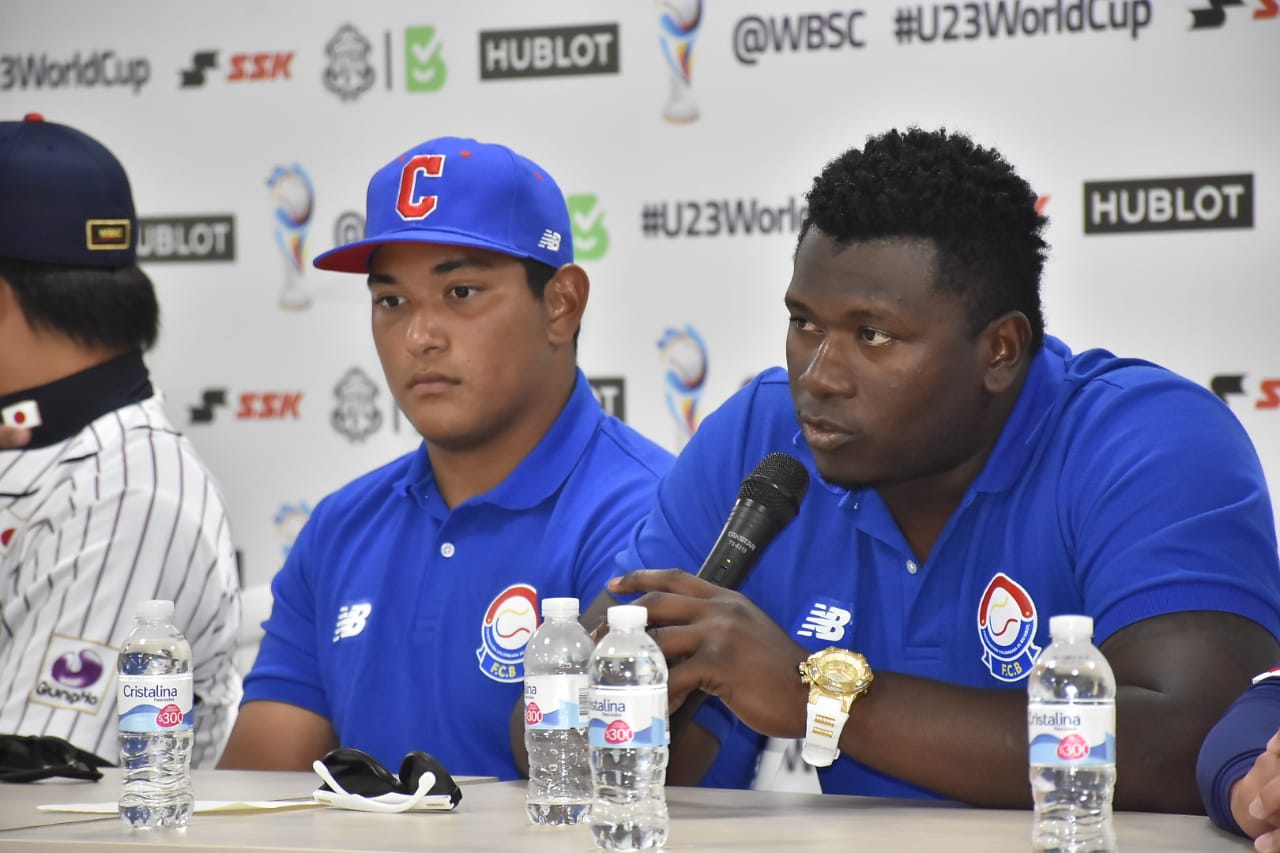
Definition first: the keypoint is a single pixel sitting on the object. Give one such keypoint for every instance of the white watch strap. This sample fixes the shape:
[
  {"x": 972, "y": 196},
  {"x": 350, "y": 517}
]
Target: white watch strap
[{"x": 822, "y": 734}]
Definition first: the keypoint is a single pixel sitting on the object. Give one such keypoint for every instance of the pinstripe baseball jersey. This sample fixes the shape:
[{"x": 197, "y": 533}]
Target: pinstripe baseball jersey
[{"x": 107, "y": 506}]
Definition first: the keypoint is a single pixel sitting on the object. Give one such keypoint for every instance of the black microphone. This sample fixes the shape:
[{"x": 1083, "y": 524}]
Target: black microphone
[{"x": 768, "y": 499}]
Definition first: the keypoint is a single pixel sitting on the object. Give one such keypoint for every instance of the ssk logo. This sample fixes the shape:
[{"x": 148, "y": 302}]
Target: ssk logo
[
  {"x": 1214, "y": 13},
  {"x": 187, "y": 238},
  {"x": 553, "y": 52},
  {"x": 252, "y": 405},
  {"x": 273, "y": 65},
  {"x": 1168, "y": 204},
  {"x": 1227, "y": 386}
]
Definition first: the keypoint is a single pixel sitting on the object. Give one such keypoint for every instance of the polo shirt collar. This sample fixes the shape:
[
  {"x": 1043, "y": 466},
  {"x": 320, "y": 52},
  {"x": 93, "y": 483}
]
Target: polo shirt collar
[
  {"x": 542, "y": 472},
  {"x": 1041, "y": 396},
  {"x": 68, "y": 405}
]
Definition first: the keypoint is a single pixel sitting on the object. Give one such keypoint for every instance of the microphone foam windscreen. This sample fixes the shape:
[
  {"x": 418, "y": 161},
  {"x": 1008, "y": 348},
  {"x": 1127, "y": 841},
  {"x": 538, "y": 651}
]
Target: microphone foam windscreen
[{"x": 779, "y": 482}]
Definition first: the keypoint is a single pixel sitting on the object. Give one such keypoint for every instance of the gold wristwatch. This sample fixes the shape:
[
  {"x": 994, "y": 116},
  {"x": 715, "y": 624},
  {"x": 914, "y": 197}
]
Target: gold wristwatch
[{"x": 836, "y": 677}]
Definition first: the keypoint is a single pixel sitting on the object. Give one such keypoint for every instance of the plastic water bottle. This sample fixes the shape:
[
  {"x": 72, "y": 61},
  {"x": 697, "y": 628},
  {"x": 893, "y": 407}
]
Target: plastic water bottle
[
  {"x": 1071, "y": 726},
  {"x": 555, "y": 716},
  {"x": 628, "y": 733},
  {"x": 156, "y": 721}
]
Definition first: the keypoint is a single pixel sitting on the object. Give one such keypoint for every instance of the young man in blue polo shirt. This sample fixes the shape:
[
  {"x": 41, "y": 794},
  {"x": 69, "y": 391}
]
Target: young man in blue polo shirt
[
  {"x": 401, "y": 615},
  {"x": 973, "y": 477}
]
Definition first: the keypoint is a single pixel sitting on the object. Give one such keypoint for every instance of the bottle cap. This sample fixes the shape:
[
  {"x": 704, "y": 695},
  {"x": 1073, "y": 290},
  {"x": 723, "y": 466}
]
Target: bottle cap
[
  {"x": 628, "y": 616},
  {"x": 1071, "y": 627},
  {"x": 559, "y": 607},
  {"x": 155, "y": 609}
]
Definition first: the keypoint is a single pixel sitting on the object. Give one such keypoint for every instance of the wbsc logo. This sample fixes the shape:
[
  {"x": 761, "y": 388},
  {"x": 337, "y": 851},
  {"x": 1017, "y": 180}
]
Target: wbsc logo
[
  {"x": 549, "y": 52},
  {"x": 754, "y": 35},
  {"x": 187, "y": 238},
  {"x": 1214, "y": 14},
  {"x": 1168, "y": 204}
]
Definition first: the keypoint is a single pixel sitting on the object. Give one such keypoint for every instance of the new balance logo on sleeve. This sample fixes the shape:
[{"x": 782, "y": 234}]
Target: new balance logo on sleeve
[
  {"x": 826, "y": 620},
  {"x": 351, "y": 620}
]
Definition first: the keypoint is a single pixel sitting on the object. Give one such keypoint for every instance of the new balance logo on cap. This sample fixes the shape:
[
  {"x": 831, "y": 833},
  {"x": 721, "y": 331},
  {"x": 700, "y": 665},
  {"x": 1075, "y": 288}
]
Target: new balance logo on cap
[
  {"x": 550, "y": 240},
  {"x": 826, "y": 621},
  {"x": 351, "y": 620}
]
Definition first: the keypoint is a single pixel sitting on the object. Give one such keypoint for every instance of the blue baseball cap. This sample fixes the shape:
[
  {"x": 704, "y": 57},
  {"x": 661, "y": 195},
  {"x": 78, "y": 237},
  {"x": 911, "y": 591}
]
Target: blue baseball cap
[
  {"x": 462, "y": 193},
  {"x": 66, "y": 198}
]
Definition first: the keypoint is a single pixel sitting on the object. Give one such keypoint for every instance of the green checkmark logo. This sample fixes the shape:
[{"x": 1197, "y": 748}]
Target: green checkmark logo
[
  {"x": 590, "y": 238},
  {"x": 424, "y": 68}
]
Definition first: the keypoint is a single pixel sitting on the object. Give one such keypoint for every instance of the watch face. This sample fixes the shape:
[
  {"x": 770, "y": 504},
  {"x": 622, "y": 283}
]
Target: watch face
[{"x": 844, "y": 674}]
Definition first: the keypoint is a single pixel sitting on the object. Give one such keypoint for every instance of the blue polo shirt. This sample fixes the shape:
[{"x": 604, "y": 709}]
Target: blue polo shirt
[
  {"x": 1234, "y": 744},
  {"x": 1117, "y": 489},
  {"x": 404, "y": 622}
]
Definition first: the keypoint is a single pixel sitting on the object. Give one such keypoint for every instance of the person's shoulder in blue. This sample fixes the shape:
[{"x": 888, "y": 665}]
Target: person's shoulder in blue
[
  {"x": 401, "y": 615},
  {"x": 972, "y": 477},
  {"x": 1239, "y": 766}
]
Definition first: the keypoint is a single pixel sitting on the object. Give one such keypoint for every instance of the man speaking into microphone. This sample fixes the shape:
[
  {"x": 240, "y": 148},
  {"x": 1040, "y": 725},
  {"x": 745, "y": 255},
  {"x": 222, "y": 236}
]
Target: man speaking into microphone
[{"x": 972, "y": 478}]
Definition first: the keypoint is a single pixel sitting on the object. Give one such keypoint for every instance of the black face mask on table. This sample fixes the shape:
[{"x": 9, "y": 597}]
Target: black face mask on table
[
  {"x": 30, "y": 758},
  {"x": 362, "y": 777}
]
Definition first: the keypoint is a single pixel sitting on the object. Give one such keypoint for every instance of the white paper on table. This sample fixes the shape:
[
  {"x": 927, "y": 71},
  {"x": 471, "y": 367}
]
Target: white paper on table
[{"x": 201, "y": 806}]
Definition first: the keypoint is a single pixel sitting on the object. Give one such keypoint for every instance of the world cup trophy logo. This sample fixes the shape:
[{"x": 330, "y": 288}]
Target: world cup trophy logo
[
  {"x": 294, "y": 199},
  {"x": 685, "y": 357},
  {"x": 678, "y": 22}
]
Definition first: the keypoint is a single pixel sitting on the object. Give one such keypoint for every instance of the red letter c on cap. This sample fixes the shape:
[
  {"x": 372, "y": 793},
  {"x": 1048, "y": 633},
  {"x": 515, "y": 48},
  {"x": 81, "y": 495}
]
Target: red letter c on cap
[{"x": 430, "y": 165}]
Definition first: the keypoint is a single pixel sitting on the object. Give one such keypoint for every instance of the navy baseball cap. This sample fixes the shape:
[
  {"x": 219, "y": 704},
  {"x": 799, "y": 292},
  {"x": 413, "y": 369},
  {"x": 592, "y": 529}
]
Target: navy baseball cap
[
  {"x": 462, "y": 193},
  {"x": 66, "y": 198}
]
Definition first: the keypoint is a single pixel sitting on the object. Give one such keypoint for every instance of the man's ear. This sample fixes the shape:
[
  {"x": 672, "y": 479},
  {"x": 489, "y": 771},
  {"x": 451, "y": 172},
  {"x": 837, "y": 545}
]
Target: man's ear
[
  {"x": 9, "y": 308},
  {"x": 1005, "y": 351},
  {"x": 565, "y": 301}
]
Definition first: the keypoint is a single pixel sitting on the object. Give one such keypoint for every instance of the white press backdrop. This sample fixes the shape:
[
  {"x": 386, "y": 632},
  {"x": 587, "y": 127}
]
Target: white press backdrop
[{"x": 205, "y": 102}]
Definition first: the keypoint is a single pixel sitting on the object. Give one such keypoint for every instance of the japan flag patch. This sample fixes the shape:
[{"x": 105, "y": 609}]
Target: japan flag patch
[{"x": 24, "y": 414}]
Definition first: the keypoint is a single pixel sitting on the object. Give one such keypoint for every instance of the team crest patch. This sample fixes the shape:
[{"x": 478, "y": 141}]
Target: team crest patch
[
  {"x": 1274, "y": 672},
  {"x": 508, "y": 623},
  {"x": 107, "y": 235},
  {"x": 1007, "y": 623},
  {"x": 75, "y": 675}
]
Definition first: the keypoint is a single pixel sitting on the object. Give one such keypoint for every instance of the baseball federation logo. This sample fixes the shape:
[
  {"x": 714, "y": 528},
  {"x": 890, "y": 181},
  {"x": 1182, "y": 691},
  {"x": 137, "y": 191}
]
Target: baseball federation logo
[
  {"x": 1007, "y": 623},
  {"x": 508, "y": 623}
]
